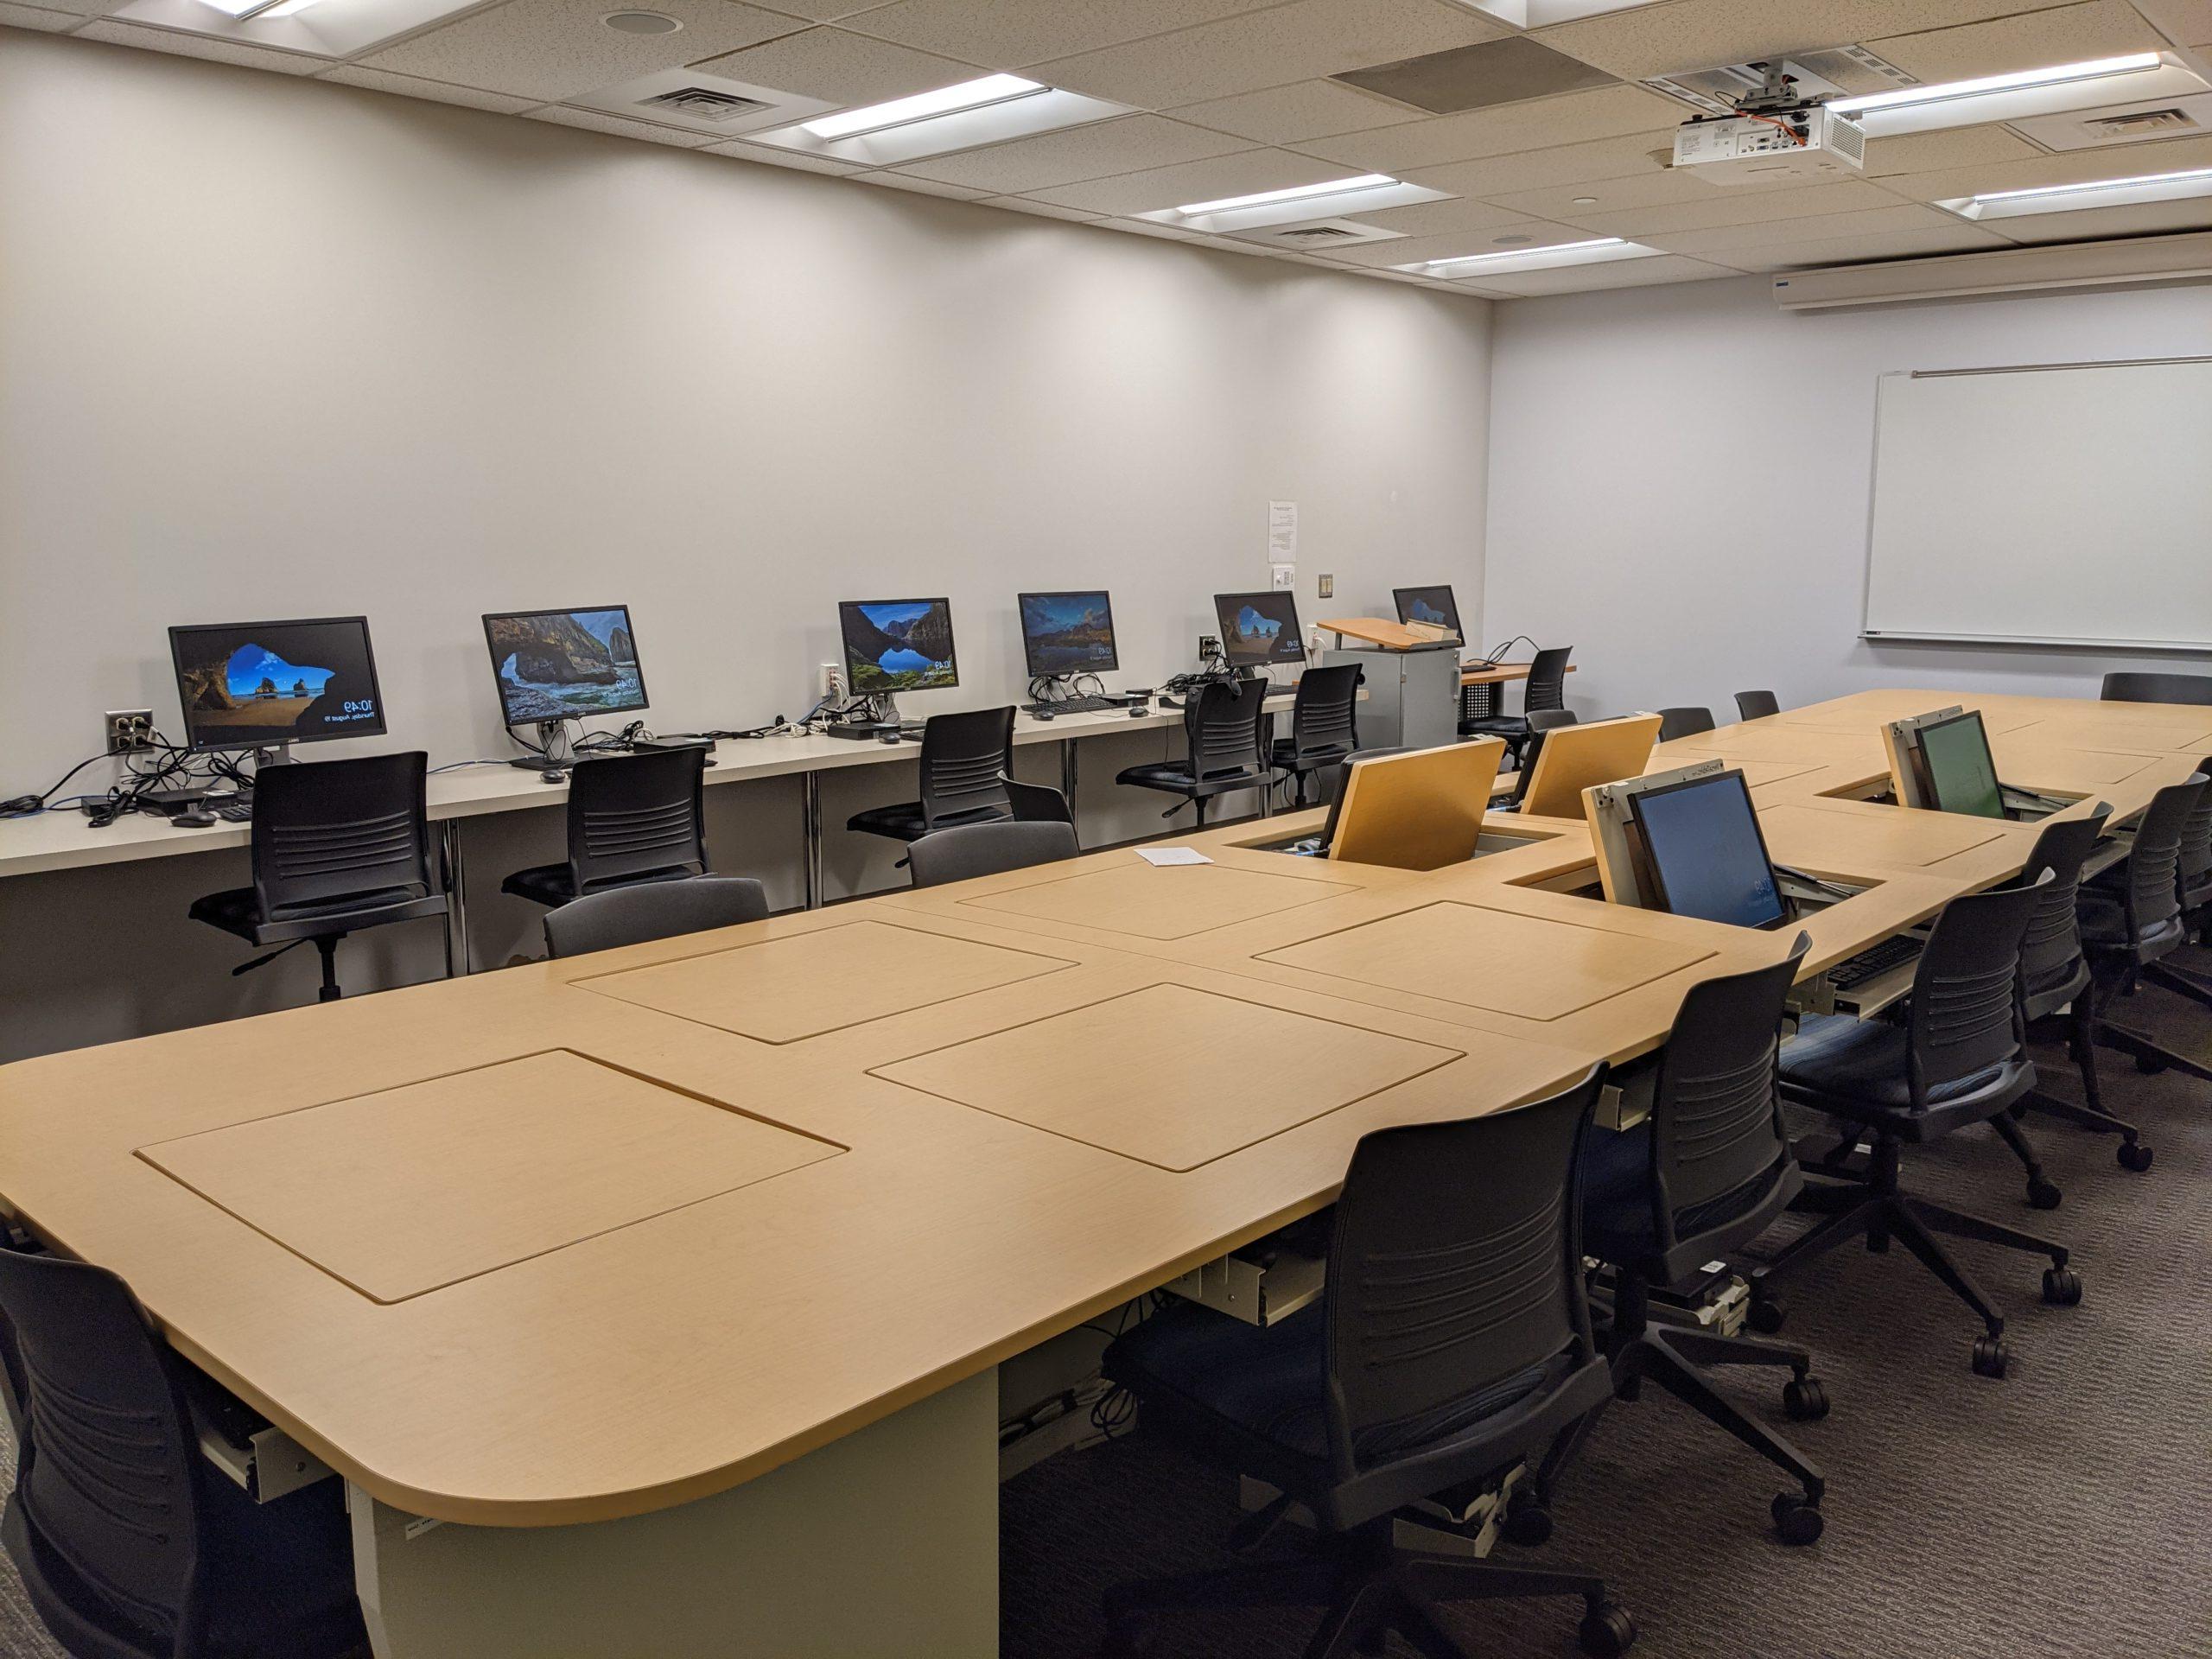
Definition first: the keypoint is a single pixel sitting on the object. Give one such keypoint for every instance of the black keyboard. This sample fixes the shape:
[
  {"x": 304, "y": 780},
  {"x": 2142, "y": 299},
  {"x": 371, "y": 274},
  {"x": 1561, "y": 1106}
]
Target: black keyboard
[
  {"x": 1854, "y": 971},
  {"x": 1075, "y": 706},
  {"x": 234, "y": 812}
]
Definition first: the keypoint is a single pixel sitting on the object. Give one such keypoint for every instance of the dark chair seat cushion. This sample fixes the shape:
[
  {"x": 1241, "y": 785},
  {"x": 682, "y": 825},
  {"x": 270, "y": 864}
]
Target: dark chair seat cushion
[
  {"x": 1617, "y": 1198},
  {"x": 905, "y": 821},
  {"x": 1174, "y": 776},
  {"x": 2104, "y": 928},
  {"x": 2054, "y": 993},
  {"x": 1203, "y": 1367},
  {"x": 282, "y": 1573},
  {"x": 550, "y": 885},
  {"x": 1286, "y": 756},
  {"x": 238, "y": 911},
  {"x": 1863, "y": 1061},
  {"x": 1495, "y": 726}
]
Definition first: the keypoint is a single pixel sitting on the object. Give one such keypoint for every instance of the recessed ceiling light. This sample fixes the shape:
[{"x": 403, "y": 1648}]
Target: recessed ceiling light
[
  {"x": 1595, "y": 252},
  {"x": 1512, "y": 241},
  {"x": 1586, "y": 201},
  {"x": 320, "y": 28},
  {"x": 2095, "y": 193},
  {"x": 642, "y": 23},
  {"x": 241, "y": 10},
  {"x": 1361, "y": 192},
  {"x": 1295, "y": 192},
  {"x": 2047, "y": 90},
  {"x": 944, "y": 100},
  {"x": 1539, "y": 13}
]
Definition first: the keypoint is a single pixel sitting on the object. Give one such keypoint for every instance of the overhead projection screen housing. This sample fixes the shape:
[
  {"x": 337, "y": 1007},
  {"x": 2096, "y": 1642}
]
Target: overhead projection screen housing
[{"x": 2066, "y": 505}]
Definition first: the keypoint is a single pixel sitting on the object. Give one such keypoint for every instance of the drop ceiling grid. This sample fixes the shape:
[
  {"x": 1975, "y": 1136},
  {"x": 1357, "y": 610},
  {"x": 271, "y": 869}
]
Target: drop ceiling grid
[{"x": 1232, "y": 95}]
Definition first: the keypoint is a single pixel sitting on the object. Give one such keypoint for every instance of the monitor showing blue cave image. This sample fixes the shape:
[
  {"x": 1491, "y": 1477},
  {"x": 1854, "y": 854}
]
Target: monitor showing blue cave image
[
  {"x": 1432, "y": 608},
  {"x": 250, "y": 685},
  {"x": 1257, "y": 629}
]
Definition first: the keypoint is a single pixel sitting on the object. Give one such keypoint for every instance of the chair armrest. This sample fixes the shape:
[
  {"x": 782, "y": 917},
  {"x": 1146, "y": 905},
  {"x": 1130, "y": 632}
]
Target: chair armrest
[{"x": 1036, "y": 802}]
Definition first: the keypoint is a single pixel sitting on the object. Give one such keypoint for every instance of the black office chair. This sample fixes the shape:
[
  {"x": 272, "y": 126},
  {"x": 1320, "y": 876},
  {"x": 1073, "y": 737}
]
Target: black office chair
[
  {"x": 2193, "y": 873},
  {"x": 632, "y": 819},
  {"x": 1756, "y": 705},
  {"x": 968, "y": 850},
  {"x": 131, "y": 1545},
  {"x": 1683, "y": 723},
  {"x": 1543, "y": 721},
  {"x": 966, "y": 760},
  {"x": 1221, "y": 731},
  {"x": 658, "y": 910},
  {"x": 338, "y": 846},
  {"x": 1454, "y": 1343},
  {"x": 1959, "y": 1059},
  {"x": 2055, "y": 981},
  {"x": 2158, "y": 688},
  {"x": 1546, "y": 689},
  {"x": 1324, "y": 728},
  {"x": 1705, "y": 1173},
  {"x": 2133, "y": 919}
]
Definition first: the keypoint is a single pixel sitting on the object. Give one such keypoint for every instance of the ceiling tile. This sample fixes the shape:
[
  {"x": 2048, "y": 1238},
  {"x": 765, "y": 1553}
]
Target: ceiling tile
[
  {"x": 1744, "y": 207},
  {"x": 1922, "y": 152},
  {"x": 1870, "y": 221},
  {"x": 1304, "y": 109},
  {"x": 1132, "y": 144},
  {"x": 1009, "y": 34},
  {"x": 1702, "y": 34},
  {"x": 554, "y": 48},
  {"x": 1653, "y": 189},
  {"x": 1605, "y": 113},
  {"x": 1859, "y": 249},
  {"x": 825, "y": 11},
  {"x": 2100, "y": 29},
  {"x": 1146, "y": 227},
  {"x": 2187, "y": 22},
  {"x": 1241, "y": 174},
  {"x": 380, "y": 80},
  {"x": 1458, "y": 244},
  {"x": 1631, "y": 155},
  {"x": 920, "y": 187},
  {"x": 1268, "y": 48},
  {"x": 1042, "y": 209},
  {"x": 797, "y": 160},
  {"x": 1444, "y": 217},
  {"x": 1618, "y": 273},
  {"x": 2067, "y": 166},
  {"x": 199, "y": 46},
  {"x": 621, "y": 127},
  {"x": 38, "y": 17},
  {"x": 839, "y": 68}
]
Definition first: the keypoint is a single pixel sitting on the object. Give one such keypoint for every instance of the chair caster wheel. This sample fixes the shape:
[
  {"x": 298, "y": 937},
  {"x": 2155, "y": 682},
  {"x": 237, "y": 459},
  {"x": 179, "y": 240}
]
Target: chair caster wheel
[
  {"x": 2042, "y": 1195},
  {"x": 1607, "y": 1632},
  {"x": 2061, "y": 1286},
  {"x": 1129, "y": 1638},
  {"x": 1797, "y": 1521},
  {"x": 1766, "y": 1314},
  {"x": 1805, "y": 1400},
  {"x": 1528, "y": 1524},
  {"x": 2149, "y": 1067},
  {"x": 2135, "y": 1155},
  {"x": 1989, "y": 1356}
]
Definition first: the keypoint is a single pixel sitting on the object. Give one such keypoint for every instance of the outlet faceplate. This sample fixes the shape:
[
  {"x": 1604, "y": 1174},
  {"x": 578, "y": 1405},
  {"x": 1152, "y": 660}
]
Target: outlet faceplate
[{"x": 129, "y": 730}]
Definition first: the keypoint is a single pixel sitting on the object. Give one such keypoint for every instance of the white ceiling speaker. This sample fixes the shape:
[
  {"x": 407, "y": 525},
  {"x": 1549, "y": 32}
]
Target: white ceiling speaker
[{"x": 642, "y": 23}]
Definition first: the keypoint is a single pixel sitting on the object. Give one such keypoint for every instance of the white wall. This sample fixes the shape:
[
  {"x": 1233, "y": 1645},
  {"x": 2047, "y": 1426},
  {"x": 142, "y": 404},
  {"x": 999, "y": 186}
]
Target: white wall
[
  {"x": 275, "y": 348},
  {"x": 1679, "y": 481}
]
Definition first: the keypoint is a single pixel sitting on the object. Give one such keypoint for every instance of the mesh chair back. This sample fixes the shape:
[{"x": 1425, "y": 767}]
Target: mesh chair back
[
  {"x": 1717, "y": 1103},
  {"x": 1547, "y": 680},
  {"x": 1323, "y": 723},
  {"x": 1683, "y": 723},
  {"x": 1965, "y": 1015},
  {"x": 637, "y": 818},
  {"x": 965, "y": 759},
  {"x": 2050, "y": 950},
  {"x": 968, "y": 850},
  {"x": 2194, "y": 864},
  {"x": 2158, "y": 688},
  {"x": 1756, "y": 705},
  {"x": 105, "y": 1495},
  {"x": 653, "y": 910},
  {"x": 332, "y": 835},
  {"x": 2152, "y": 895},
  {"x": 1455, "y": 1266},
  {"x": 1223, "y": 726}
]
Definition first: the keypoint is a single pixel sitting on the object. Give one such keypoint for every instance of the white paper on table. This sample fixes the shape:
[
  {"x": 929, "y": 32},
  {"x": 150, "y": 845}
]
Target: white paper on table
[{"x": 1172, "y": 855}]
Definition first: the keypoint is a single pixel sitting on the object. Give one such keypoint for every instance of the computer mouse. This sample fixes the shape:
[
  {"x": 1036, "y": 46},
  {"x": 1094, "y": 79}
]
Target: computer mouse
[
  {"x": 554, "y": 775},
  {"x": 1046, "y": 714},
  {"x": 192, "y": 820},
  {"x": 886, "y": 737},
  {"x": 1138, "y": 711}
]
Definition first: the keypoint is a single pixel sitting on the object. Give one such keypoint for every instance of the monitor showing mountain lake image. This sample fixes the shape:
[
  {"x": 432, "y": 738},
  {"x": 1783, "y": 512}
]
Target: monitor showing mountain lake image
[
  {"x": 250, "y": 685},
  {"x": 1067, "y": 633},
  {"x": 565, "y": 665},
  {"x": 1257, "y": 629},
  {"x": 1432, "y": 608},
  {"x": 898, "y": 645}
]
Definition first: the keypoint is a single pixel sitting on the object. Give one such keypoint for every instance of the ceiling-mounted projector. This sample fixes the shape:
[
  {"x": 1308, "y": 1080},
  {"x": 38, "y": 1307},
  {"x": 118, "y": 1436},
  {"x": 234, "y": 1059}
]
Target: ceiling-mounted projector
[{"x": 1778, "y": 132}]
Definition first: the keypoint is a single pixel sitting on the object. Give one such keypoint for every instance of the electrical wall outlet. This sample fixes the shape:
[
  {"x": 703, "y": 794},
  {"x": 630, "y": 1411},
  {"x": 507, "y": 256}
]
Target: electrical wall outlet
[
  {"x": 1328, "y": 588},
  {"x": 1209, "y": 647},
  {"x": 129, "y": 730},
  {"x": 833, "y": 680}
]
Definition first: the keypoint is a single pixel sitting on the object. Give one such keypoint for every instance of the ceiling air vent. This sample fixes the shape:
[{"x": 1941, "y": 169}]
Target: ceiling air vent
[
  {"x": 703, "y": 104},
  {"x": 2119, "y": 124},
  {"x": 1321, "y": 234},
  {"x": 2141, "y": 124}
]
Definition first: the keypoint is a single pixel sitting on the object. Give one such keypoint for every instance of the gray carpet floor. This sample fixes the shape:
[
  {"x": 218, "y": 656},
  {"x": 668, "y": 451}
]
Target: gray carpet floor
[{"x": 2062, "y": 1513}]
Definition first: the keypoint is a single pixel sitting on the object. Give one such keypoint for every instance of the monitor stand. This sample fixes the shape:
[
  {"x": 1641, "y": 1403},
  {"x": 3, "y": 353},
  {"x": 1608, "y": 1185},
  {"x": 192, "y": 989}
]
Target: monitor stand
[
  {"x": 278, "y": 754},
  {"x": 557, "y": 750}
]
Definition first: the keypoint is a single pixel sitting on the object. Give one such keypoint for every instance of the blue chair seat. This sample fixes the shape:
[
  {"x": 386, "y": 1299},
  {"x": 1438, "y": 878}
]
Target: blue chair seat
[{"x": 1864, "y": 1062}]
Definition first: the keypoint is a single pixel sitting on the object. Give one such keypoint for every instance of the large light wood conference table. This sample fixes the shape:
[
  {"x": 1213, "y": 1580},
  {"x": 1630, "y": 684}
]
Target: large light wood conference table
[{"x": 649, "y": 1302}]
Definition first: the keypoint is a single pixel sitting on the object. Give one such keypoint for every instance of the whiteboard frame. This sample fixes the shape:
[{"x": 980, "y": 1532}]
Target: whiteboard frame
[{"x": 2070, "y": 642}]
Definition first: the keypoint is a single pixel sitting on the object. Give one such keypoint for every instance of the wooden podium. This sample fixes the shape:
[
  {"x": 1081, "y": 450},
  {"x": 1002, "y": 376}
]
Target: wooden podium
[{"x": 1413, "y": 680}]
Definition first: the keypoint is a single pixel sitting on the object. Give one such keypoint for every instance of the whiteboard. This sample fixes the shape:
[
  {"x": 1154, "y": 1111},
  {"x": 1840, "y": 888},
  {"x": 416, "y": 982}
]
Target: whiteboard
[{"x": 2060, "y": 504}]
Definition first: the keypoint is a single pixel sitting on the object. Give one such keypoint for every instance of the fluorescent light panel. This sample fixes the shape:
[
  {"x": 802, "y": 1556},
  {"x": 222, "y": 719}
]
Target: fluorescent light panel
[
  {"x": 2056, "y": 74},
  {"x": 2055, "y": 90},
  {"x": 318, "y": 28},
  {"x": 1295, "y": 192},
  {"x": 944, "y": 100},
  {"x": 2093, "y": 193},
  {"x": 1473, "y": 266},
  {"x": 1541, "y": 14}
]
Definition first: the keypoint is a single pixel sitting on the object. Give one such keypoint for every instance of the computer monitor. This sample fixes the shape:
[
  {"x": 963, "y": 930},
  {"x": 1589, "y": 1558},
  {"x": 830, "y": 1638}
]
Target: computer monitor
[
  {"x": 1067, "y": 633},
  {"x": 565, "y": 665},
  {"x": 1960, "y": 772},
  {"x": 1432, "y": 608},
  {"x": 1257, "y": 629},
  {"x": 1706, "y": 853},
  {"x": 898, "y": 645},
  {"x": 253, "y": 685}
]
